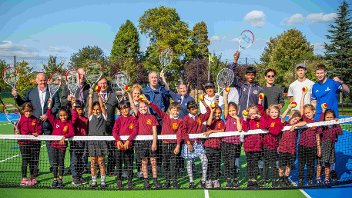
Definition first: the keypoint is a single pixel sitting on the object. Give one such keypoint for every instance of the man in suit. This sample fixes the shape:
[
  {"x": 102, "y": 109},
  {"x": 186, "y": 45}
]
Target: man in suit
[{"x": 38, "y": 97}]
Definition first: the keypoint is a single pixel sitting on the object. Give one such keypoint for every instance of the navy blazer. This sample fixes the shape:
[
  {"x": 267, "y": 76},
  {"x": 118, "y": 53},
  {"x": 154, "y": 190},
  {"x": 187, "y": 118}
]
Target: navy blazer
[
  {"x": 177, "y": 98},
  {"x": 32, "y": 96}
]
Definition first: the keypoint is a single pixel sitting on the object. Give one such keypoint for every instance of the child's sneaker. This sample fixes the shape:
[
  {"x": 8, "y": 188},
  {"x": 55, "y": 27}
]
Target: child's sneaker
[
  {"x": 146, "y": 184},
  {"x": 176, "y": 185},
  {"x": 103, "y": 185},
  {"x": 24, "y": 182},
  {"x": 235, "y": 183},
  {"x": 216, "y": 184},
  {"x": 60, "y": 184},
  {"x": 93, "y": 184},
  {"x": 83, "y": 181},
  {"x": 319, "y": 181},
  {"x": 55, "y": 183},
  {"x": 228, "y": 183},
  {"x": 191, "y": 185},
  {"x": 157, "y": 183},
  {"x": 34, "y": 181},
  {"x": 76, "y": 181},
  {"x": 167, "y": 184},
  {"x": 130, "y": 184},
  {"x": 209, "y": 184},
  {"x": 119, "y": 184},
  {"x": 203, "y": 184},
  {"x": 333, "y": 175}
]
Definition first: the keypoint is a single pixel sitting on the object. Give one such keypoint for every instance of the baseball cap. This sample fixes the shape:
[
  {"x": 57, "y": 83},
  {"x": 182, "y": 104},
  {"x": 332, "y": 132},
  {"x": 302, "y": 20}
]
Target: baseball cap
[
  {"x": 302, "y": 65},
  {"x": 209, "y": 84}
]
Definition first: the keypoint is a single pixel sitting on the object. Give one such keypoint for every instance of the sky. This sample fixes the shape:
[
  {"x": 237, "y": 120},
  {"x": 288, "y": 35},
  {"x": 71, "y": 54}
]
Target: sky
[{"x": 61, "y": 27}]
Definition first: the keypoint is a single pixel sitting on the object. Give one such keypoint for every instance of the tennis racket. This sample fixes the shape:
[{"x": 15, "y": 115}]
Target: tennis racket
[
  {"x": 120, "y": 81},
  {"x": 94, "y": 71},
  {"x": 72, "y": 81},
  {"x": 246, "y": 40},
  {"x": 224, "y": 79},
  {"x": 10, "y": 76},
  {"x": 11, "y": 112},
  {"x": 165, "y": 58},
  {"x": 54, "y": 83}
]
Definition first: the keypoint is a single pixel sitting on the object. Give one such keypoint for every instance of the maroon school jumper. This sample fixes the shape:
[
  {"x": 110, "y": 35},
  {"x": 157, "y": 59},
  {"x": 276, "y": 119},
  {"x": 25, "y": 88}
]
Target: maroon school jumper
[
  {"x": 63, "y": 128},
  {"x": 288, "y": 141},
  {"x": 80, "y": 123},
  {"x": 28, "y": 126},
  {"x": 215, "y": 142},
  {"x": 194, "y": 126},
  {"x": 271, "y": 139},
  {"x": 230, "y": 126},
  {"x": 253, "y": 143},
  {"x": 125, "y": 126},
  {"x": 146, "y": 123},
  {"x": 170, "y": 126},
  {"x": 308, "y": 136}
]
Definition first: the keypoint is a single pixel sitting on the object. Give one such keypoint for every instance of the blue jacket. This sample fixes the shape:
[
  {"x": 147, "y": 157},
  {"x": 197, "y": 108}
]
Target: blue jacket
[
  {"x": 160, "y": 97},
  {"x": 177, "y": 98}
]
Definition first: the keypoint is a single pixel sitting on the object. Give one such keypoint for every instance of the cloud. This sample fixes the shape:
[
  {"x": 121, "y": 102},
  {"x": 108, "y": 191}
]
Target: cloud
[
  {"x": 319, "y": 48},
  {"x": 321, "y": 17},
  {"x": 294, "y": 19},
  {"x": 56, "y": 49},
  {"x": 8, "y": 48},
  {"x": 214, "y": 38},
  {"x": 256, "y": 18}
]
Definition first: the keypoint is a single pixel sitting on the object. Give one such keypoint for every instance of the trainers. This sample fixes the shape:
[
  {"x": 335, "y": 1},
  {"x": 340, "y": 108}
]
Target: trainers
[
  {"x": 119, "y": 185},
  {"x": 216, "y": 184},
  {"x": 146, "y": 184},
  {"x": 310, "y": 182},
  {"x": 249, "y": 184},
  {"x": 93, "y": 184},
  {"x": 203, "y": 184},
  {"x": 319, "y": 182},
  {"x": 167, "y": 184},
  {"x": 208, "y": 184},
  {"x": 327, "y": 182},
  {"x": 76, "y": 182},
  {"x": 24, "y": 182},
  {"x": 287, "y": 182},
  {"x": 60, "y": 184},
  {"x": 175, "y": 185},
  {"x": 157, "y": 183},
  {"x": 130, "y": 184},
  {"x": 236, "y": 183},
  {"x": 191, "y": 185},
  {"x": 54, "y": 185},
  {"x": 103, "y": 185},
  {"x": 228, "y": 183},
  {"x": 300, "y": 183},
  {"x": 333, "y": 175},
  {"x": 255, "y": 184},
  {"x": 140, "y": 174},
  {"x": 34, "y": 181},
  {"x": 83, "y": 181}
]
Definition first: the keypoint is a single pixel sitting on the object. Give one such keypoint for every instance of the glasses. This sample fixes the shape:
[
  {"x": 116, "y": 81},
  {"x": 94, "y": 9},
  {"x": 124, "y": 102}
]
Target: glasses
[{"x": 270, "y": 76}]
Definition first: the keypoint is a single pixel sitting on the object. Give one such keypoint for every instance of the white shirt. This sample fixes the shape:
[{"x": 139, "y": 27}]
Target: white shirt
[
  {"x": 42, "y": 95},
  {"x": 210, "y": 100},
  {"x": 295, "y": 90}
]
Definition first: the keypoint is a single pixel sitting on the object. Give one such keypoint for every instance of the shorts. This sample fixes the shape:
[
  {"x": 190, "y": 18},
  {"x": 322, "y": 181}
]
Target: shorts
[
  {"x": 287, "y": 159},
  {"x": 144, "y": 149}
]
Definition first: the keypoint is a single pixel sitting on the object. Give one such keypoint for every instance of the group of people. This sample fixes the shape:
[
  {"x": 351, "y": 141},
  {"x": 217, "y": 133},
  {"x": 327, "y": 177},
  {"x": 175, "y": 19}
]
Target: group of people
[{"x": 243, "y": 108}]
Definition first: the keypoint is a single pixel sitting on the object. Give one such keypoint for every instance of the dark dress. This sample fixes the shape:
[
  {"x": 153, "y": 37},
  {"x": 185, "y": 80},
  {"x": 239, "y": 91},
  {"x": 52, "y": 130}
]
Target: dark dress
[{"x": 97, "y": 127}]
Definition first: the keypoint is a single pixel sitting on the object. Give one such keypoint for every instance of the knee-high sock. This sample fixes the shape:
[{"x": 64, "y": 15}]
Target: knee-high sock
[
  {"x": 189, "y": 170},
  {"x": 204, "y": 160}
]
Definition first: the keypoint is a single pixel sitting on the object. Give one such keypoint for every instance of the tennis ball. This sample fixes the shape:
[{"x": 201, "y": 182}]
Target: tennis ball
[
  {"x": 293, "y": 104},
  {"x": 201, "y": 97},
  {"x": 141, "y": 97},
  {"x": 227, "y": 88},
  {"x": 212, "y": 106},
  {"x": 305, "y": 89},
  {"x": 261, "y": 96},
  {"x": 324, "y": 105},
  {"x": 127, "y": 88},
  {"x": 245, "y": 113},
  {"x": 120, "y": 147},
  {"x": 97, "y": 88}
]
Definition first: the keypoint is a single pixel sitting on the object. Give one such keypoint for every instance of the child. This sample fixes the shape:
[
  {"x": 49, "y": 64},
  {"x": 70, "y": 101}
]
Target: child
[
  {"x": 147, "y": 124},
  {"x": 307, "y": 147},
  {"x": 29, "y": 125},
  {"x": 172, "y": 124},
  {"x": 253, "y": 143},
  {"x": 231, "y": 145},
  {"x": 287, "y": 145},
  {"x": 77, "y": 157},
  {"x": 97, "y": 116},
  {"x": 193, "y": 148},
  {"x": 270, "y": 141},
  {"x": 327, "y": 147},
  {"x": 63, "y": 127},
  {"x": 213, "y": 147},
  {"x": 125, "y": 125}
]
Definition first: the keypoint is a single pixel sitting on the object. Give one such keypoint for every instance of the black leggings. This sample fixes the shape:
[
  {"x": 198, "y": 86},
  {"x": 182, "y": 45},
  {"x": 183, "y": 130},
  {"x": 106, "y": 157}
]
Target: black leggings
[
  {"x": 125, "y": 157},
  {"x": 252, "y": 164},
  {"x": 229, "y": 153},
  {"x": 30, "y": 156},
  {"x": 270, "y": 157},
  {"x": 170, "y": 159},
  {"x": 58, "y": 162},
  {"x": 214, "y": 161},
  {"x": 306, "y": 156}
]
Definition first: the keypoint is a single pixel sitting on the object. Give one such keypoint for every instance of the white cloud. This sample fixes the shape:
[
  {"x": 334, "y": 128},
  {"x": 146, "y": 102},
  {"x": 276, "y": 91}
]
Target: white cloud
[
  {"x": 214, "y": 38},
  {"x": 319, "y": 48},
  {"x": 256, "y": 18},
  {"x": 294, "y": 19},
  {"x": 321, "y": 17},
  {"x": 8, "y": 48},
  {"x": 56, "y": 49},
  {"x": 235, "y": 40}
]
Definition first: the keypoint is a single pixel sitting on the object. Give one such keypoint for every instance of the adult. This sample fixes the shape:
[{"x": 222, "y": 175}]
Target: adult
[
  {"x": 110, "y": 102},
  {"x": 210, "y": 97},
  {"x": 182, "y": 96},
  {"x": 327, "y": 91},
  {"x": 157, "y": 94},
  {"x": 273, "y": 95},
  {"x": 295, "y": 88},
  {"x": 38, "y": 97}
]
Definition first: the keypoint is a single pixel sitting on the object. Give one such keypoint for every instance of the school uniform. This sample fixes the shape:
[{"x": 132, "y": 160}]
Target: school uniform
[
  {"x": 287, "y": 147},
  {"x": 146, "y": 122}
]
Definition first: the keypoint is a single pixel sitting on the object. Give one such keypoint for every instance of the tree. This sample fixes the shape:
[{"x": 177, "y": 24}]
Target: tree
[
  {"x": 165, "y": 29},
  {"x": 88, "y": 54},
  {"x": 200, "y": 40},
  {"x": 3, "y": 65},
  {"x": 196, "y": 72},
  {"x": 339, "y": 50},
  {"x": 282, "y": 53},
  {"x": 27, "y": 77},
  {"x": 53, "y": 66},
  {"x": 125, "y": 51}
]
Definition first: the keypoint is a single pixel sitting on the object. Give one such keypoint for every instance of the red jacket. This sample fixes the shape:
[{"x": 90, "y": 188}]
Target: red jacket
[
  {"x": 125, "y": 126},
  {"x": 215, "y": 142},
  {"x": 194, "y": 126},
  {"x": 271, "y": 139},
  {"x": 80, "y": 123},
  {"x": 170, "y": 125},
  {"x": 63, "y": 128},
  {"x": 28, "y": 126},
  {"x": 253, "y": 142}
]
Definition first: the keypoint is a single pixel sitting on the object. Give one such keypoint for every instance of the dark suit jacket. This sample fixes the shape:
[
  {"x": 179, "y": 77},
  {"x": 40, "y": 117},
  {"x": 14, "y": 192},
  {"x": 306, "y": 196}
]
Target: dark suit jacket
[
  {"x": 177, "y": 98},
  {"x": 65, "y": 92},
  {"x": 32, "y": 96}
]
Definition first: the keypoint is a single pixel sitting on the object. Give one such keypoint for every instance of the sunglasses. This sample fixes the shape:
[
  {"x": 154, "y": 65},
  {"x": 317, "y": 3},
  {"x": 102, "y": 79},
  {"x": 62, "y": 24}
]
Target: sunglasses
[{"x": 270, "y": 76}]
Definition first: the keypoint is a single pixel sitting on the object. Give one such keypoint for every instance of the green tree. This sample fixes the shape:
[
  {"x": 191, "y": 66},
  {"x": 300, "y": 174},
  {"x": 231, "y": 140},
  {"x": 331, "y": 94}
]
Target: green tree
[
  {"x": 200, "y": 40},
  {"x": 125, "y": 51},
  {"x": 27, "y": 77},
  {"x": 52, "y": 66},
  {"x": 165, "y": 29},
  {"x": 282, "y": 53},
  {"x": 3, "y": 65},
  {"x": 339, "y": 50},
  {"x": 89, "y": 54}
]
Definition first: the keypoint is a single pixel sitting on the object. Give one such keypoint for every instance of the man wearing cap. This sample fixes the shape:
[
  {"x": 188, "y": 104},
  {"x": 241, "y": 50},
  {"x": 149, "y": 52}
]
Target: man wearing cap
[
  {"x": 295, "y": 88},
  {"x": 210, "y": 97}
]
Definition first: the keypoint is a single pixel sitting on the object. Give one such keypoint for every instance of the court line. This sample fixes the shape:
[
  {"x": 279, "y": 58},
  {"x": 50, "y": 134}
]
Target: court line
[
  {"x": 9, "y": 158},
  {"x": 206, "y": 193}
]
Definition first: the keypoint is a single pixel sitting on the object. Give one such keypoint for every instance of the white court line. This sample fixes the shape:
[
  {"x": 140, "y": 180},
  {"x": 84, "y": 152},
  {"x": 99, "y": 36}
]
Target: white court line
[
  {"x": 9, "y": 158},
  {"x": 301, "y": 190},
  {"x": 206, "y": 193}
]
